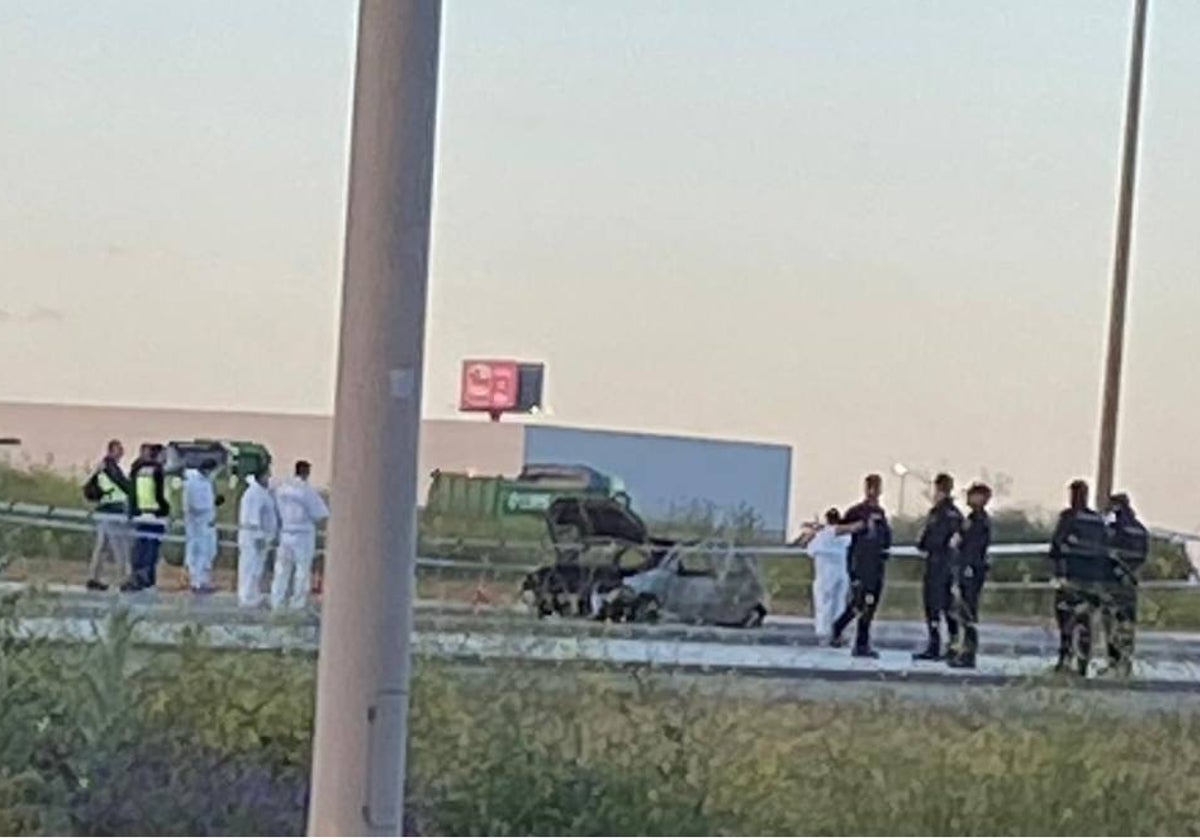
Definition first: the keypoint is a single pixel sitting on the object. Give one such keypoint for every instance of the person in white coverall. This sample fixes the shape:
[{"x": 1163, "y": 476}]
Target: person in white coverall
[
  {"x": 200, "y": 502},
  {"x": 831, "y": 577},
  {"x": 258, "y": 523},
  {"x": 301, "y": 510}
]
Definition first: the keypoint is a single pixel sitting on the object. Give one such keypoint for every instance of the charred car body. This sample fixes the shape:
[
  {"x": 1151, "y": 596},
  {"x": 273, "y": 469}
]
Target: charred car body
[{"x": 608, "y": 567}]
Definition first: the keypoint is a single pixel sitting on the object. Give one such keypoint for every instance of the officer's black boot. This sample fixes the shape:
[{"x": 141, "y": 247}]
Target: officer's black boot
[
  {"x": 966, "y": 659},
  {"x": 862, "y": 639},
  {"x": 933, "y": 650},
  {"x": 1083, "y": 656},
  {"x": 1066, "y": 650}
]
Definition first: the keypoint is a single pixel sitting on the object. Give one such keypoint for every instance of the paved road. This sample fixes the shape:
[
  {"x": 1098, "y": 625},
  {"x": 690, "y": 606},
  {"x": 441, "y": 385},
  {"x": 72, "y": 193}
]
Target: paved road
[
  {"x": 784, "y": 651},
  {"x": 221, "y": 608}
]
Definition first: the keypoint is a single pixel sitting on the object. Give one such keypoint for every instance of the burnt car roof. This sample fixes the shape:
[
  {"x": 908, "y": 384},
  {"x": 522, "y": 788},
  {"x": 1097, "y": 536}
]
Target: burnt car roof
[{"x": 597, "y": 517}]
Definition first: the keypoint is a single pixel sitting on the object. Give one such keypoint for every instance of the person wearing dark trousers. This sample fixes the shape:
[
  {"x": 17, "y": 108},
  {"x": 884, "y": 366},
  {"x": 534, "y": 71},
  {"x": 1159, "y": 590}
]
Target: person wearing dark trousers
[
  {"x": 870, "y": 544},
  {"x": 939, "y": 543},
  {"x": 1079, "y": 554},
  {"x": 149, "y": 510},
  {"x": 970, "y": 572},
  {"x": 1128, "y": 548}
]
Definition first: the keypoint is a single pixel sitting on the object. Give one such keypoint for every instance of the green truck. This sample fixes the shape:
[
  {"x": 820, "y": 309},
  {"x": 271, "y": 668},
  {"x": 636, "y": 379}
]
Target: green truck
[{"x": 469, "y": 497}]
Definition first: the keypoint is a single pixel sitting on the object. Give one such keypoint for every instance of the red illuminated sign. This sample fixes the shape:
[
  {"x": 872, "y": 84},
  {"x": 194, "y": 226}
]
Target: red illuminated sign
[{"x": 489, "y": 386}]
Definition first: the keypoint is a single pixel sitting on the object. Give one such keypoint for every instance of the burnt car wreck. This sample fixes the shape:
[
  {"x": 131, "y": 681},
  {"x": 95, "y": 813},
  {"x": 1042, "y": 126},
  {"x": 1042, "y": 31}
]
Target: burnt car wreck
[{"x": 608, "y": 567}]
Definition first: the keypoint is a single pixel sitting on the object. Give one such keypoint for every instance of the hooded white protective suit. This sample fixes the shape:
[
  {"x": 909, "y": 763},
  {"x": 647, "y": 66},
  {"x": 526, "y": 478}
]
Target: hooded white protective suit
[
  {"x": 258, "y": 524},
  {"x": 831, "y": 579},
  {"x": 301, "y": 509},
  {"x": 199, "y": 516}
]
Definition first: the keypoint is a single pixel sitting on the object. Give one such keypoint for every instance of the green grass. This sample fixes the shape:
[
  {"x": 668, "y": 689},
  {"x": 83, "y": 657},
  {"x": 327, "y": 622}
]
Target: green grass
[{"x": 107, "y": 739}]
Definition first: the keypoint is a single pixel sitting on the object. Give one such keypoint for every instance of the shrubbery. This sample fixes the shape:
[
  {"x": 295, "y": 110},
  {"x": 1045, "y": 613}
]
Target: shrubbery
[
  {"x": 104, "y": 739},
  {"x": 109, "y": 739}
]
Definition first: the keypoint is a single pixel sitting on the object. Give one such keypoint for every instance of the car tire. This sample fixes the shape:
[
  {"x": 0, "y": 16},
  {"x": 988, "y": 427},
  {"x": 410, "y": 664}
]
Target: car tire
[
  {"x": 756, "y": 617},
  {"x": 645, "y": 610}
]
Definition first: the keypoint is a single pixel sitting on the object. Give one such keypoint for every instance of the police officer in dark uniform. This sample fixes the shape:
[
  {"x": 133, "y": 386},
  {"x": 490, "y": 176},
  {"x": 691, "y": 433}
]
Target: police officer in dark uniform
[
  {"x": 870, "y": 545},
  {"x": 1128, "y": 548},
  {"x": 970, "y": 571},
  {"x": 1079, "y": 553},
  {"x": 939, "y": 541}
]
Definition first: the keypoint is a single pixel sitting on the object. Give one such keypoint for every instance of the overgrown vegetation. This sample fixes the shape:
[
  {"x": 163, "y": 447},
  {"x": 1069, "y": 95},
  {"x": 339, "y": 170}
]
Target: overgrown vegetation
[
  {"x": 103, "y": 739},
  {"x": 108, "y": 739}
]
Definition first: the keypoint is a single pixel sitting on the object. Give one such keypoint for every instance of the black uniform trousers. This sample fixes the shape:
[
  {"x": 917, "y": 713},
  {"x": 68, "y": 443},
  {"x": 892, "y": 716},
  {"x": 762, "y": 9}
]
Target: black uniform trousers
[
  {"x": 969, "y": 582},
  {"x": 938, "y": 598},
  {"x": 866, "y": 587}
]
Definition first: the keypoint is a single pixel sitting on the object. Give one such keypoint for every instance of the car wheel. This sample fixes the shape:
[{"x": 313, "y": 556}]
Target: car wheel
[
  {"x": 756, "y": 617},
  {"x": 645, "y": 609}
]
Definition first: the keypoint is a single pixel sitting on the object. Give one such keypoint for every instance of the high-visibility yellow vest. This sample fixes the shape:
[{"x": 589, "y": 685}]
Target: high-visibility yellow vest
[
  {"x": 146, "y": 489},
  {"x": 111, "y": 492}
]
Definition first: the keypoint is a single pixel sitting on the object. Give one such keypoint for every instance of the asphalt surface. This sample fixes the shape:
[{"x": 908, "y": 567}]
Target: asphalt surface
[
  {"x": 784, "y": 653},
  {"x": 221, "y": 608}
]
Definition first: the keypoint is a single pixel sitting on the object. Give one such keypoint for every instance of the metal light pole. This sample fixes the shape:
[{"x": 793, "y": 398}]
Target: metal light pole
[
  {"x": 363, "y": 671},
  {"x": 1120, "y": 281},
  {"x": 901, "y": 472}
]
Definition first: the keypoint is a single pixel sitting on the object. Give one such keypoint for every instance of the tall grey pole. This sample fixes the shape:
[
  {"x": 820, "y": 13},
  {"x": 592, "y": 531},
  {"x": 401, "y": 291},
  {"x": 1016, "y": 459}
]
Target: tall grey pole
[
  {"x": 1120, "y": 278},
  {"x": 359, "y": 756}
]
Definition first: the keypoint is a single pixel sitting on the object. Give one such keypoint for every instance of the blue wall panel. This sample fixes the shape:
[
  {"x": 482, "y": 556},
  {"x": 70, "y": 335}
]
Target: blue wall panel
[{"x": 660, "y": 470}]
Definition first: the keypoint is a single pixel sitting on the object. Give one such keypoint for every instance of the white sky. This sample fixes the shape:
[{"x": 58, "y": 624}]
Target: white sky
[{"x": 878, "y": 230}]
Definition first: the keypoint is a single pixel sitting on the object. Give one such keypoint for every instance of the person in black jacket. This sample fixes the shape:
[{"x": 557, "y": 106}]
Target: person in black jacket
[
  {"x": 1128, "y": 548},
  {"x": 112, "y": 491},
  {"x": 149, "y": 510},
  {"x": 969, "y": 573},
  {"x": 939, "y": 543},
  {"x": 1079, "y": 554},
  {"x": 870, "y": 544}
]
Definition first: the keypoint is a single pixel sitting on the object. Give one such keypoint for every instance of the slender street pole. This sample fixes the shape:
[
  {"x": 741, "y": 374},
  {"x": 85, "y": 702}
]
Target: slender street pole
[
  {"x": 1120, "y": 280},
  {"x": 359, "y": 756}
]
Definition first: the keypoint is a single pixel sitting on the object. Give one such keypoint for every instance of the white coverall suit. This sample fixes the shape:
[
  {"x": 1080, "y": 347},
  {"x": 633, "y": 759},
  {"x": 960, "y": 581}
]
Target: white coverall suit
[
  {"x": 301, "y": 509},
  {"x": 258, "y": 524},
  {"x": 831, "y": 579},
  {"x": 200, "y": 514}
]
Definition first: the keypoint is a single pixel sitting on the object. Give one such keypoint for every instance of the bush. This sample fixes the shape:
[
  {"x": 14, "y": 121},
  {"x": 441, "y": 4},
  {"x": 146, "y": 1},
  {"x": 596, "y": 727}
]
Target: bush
[
  {"x": 109, "y": 739},
  {"x": 103, "y": 739},
  {"x": 549, "y": 753}
]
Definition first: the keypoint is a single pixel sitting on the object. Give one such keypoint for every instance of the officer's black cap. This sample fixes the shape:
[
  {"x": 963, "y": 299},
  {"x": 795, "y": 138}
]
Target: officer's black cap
[
  {"x": 1119, "y": 500},
  {"x": 979, "y": 487}
]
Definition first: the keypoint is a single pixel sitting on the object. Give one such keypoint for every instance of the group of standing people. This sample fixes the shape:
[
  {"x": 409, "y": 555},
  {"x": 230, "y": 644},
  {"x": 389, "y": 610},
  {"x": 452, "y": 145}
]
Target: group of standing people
[
  {"x": 1096, "y": 558},
  {"x": 956, "y": 565},
  {"x": 850, "y": 553},
  {"x": 132, "y": 514}
]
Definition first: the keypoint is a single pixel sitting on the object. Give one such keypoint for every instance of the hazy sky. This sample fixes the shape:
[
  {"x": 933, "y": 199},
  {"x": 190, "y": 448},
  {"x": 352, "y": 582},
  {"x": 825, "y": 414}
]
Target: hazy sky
[{"x": 877, "y": 230}]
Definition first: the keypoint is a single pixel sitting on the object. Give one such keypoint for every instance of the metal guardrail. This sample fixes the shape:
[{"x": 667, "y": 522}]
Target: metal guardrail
[{"x": 79, "y": 520}]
